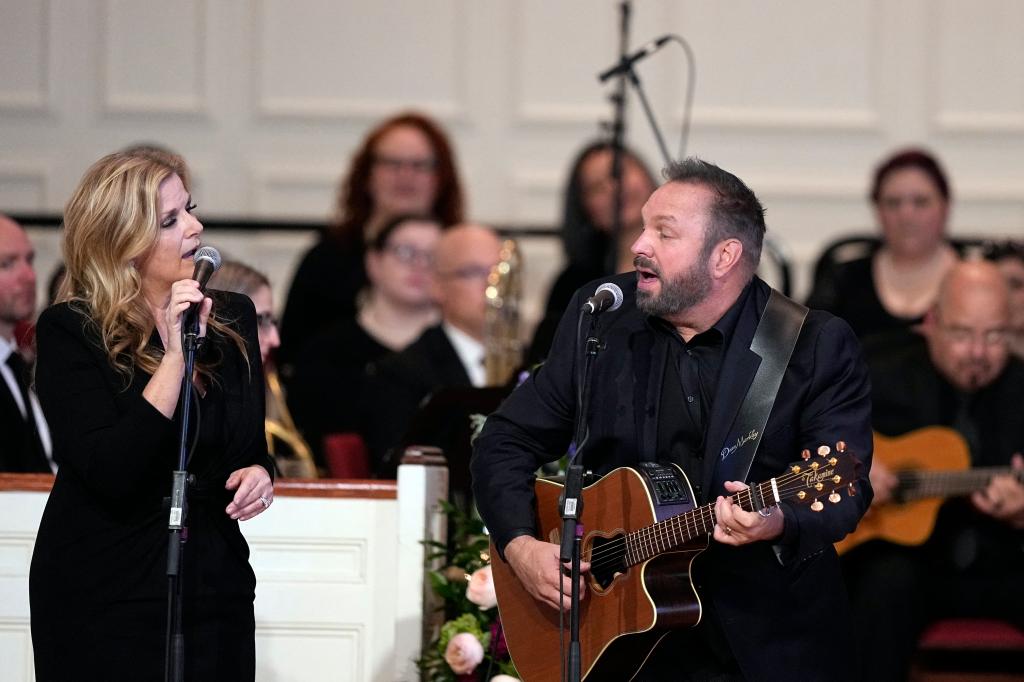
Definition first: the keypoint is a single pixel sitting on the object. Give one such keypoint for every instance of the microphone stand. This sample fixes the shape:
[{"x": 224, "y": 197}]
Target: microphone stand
[
  {"x": 618, "y": 133},
  {"x": 174, "y": 668},
  {"x": 630, "y": 72},
  {"x": 572, "y": 505}
]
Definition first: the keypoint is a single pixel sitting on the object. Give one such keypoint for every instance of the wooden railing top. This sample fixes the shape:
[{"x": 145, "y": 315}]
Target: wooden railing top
[{"x": 291, "y": 487}]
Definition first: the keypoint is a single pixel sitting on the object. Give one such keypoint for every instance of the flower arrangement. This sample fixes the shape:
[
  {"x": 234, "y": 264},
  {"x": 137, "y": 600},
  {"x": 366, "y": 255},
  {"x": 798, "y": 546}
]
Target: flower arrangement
[{"x": 470, "y": 646}]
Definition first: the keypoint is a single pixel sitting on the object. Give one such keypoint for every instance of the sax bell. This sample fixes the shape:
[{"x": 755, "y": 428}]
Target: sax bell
[{"x": 503, "y": 348}]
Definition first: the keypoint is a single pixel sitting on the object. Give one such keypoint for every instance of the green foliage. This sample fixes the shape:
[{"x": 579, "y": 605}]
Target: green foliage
[{"x": 470, "y": 552}]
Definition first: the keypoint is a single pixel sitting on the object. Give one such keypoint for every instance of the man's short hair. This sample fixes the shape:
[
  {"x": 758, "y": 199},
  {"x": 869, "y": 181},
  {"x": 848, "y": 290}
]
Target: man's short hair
[{"x": 735, "y": 212}]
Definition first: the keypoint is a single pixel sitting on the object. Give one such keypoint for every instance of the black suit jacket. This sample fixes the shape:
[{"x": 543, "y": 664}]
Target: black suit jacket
[
  {"x": 778, "y": 616},
  {"x": 395, "y": 387},
  {"x": 17, "y": 453}
]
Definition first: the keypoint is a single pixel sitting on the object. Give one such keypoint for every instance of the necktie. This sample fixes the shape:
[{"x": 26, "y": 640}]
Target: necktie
[{"x": 34, "y": 456}]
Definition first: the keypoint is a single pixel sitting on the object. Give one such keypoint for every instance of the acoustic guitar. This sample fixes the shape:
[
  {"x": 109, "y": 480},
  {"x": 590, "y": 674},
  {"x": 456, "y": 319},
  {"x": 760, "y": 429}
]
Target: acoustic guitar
[
  {"x": 930, "y": 464},
  {"x": 642, "y": 531}
]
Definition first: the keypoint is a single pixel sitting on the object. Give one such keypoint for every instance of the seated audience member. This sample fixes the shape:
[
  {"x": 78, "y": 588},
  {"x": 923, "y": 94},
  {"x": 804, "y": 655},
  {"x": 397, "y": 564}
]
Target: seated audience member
[
  {"x": 959, "y": 375},
  {"x": 592, "y": 251},
  {"x": 25, "y": 440},
  {"x": 396, "y": 306},
  {"x": 448, "y": 354},
  {"x": 292, "y": 456},
  {"x": 888, "y": 291},
  {"x": 1009, "y": 258},
  {"x": 405, "y": 165}
]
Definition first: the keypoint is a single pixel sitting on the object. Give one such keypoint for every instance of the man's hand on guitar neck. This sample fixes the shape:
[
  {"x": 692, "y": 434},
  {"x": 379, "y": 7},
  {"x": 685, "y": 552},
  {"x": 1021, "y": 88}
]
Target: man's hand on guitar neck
[
  {"x": 738, "y": 527},
  {"x": 537, "y": 566},
  {"x": 1003, "y": 499}
]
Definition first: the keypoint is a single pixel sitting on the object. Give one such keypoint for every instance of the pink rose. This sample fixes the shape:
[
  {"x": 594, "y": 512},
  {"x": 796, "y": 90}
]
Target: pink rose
[
  {"x": 480, "y": 590},
  {"x": 464, "y": 653},
  {"x": 504, "y": 678}
]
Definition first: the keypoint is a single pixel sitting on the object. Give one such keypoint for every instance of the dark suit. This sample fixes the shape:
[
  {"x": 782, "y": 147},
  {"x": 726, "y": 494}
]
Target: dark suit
[
  {"x": 20, "y": 452},
  {"x": 396, "y": 386},
  {"x": 98, "y": 584},
  {"x": 778, "y": 617}
]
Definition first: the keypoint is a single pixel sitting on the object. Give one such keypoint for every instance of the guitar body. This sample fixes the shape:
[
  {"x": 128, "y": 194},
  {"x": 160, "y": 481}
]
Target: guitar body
[
  {"x": 935, "y": 448},
  {"x": 624, "y": 614}
]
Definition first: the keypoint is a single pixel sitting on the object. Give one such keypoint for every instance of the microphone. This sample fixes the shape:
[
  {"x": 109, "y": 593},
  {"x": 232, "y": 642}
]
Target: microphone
[
  {"x": 207, "y": 261},
  {"x": 626, "y": 63},
  {"x": 607, "y": 297}
]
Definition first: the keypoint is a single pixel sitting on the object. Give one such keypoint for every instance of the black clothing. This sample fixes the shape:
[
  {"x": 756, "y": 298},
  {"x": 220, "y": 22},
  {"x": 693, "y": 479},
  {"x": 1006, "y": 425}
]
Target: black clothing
[
  {"x": 323, "y": 291},
  {"x": 98, "y": 584},
  {"x": 22, "y": 451},
  {"x": 396, "y": 386},
  {"x": 972, "y": 564},
  {"x": 772, "y": 611},
  {"x": 325, "y": 394},
  {"x": 850, "y": 293}
]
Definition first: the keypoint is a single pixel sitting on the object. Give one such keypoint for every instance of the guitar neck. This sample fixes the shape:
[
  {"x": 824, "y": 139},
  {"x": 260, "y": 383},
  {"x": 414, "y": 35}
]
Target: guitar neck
[
  {"x": 674, "y": 532},
  {"x": 920, "y": 484}
]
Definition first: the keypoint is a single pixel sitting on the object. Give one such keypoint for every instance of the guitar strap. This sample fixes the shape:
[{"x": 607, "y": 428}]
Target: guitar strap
[{"x": 774, "y": 341}]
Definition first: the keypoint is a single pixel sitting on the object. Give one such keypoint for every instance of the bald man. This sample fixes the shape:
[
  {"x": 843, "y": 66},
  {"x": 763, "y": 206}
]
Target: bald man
[
  {"x": 450, "y": 354},
  {"x": 960, "y": 375},
  {"x": 24, "y": 438}
]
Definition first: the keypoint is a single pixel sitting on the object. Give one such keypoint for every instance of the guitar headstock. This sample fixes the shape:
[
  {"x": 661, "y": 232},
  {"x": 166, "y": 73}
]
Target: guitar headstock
[{"x": 823, "y": 473}]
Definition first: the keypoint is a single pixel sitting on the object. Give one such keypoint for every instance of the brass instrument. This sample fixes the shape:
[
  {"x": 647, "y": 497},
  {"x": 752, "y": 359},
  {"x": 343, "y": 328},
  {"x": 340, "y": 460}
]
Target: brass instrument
[
  {"x": 290, "y": 452},
  {"x": 503, "y": 349}
]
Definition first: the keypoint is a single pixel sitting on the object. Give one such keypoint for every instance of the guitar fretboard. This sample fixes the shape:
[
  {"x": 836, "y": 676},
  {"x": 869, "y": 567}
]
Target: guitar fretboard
[{"x": 920, "y": 484}]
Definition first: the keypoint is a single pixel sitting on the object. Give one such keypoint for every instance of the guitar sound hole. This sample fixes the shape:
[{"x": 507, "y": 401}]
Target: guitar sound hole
[{"x": 607, "y": 559}]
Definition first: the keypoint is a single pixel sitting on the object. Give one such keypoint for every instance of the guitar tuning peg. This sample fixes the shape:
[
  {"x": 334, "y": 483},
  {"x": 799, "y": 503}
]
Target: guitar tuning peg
[
  {"x": 795, "y": 469},
  {"x": 834, "y": 497},
  {"x": 823, "y": 450},
  {"x": 841, "y": 446},
  {"x": 805, "y": 455},
  {"x": 817, "y": 506}
]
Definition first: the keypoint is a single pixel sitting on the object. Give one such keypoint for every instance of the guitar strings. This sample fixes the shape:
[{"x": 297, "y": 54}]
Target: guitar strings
[{"x": 668, "y": 534}]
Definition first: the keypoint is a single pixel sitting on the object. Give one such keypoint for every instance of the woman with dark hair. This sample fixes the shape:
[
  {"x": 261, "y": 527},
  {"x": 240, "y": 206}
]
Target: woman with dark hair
[
  {"x": 404, "y": 166},
  {"x": 1009, "y": 258},
  {"x": 591, "y": 249},
  {"x": 394, "y": 309},
  {"x": 109, "y": 371},
  {"x": 885, "y": 293}
]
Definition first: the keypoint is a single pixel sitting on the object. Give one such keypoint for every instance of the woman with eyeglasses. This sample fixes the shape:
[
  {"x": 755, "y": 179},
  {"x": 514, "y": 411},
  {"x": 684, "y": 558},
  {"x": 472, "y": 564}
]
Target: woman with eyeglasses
[
  {"x": 405, "y": 165},
  {"x": 291, "y": 454},
  {"x": 394, "y": 309}
]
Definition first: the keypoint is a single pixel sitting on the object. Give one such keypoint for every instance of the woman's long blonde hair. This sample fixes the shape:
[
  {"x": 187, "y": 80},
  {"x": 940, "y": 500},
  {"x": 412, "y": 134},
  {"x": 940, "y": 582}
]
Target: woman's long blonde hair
[{"x": 111, "y": 221}]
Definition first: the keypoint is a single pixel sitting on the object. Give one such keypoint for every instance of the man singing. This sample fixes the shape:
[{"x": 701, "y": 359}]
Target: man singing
[{"x": 668, "y": 385}]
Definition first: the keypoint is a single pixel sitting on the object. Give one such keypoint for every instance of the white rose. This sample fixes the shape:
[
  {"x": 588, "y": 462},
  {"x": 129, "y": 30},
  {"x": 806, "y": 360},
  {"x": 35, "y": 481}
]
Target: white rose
[
  {"x": 464, "y": 653},
  {"x": 480, "y": 590}
]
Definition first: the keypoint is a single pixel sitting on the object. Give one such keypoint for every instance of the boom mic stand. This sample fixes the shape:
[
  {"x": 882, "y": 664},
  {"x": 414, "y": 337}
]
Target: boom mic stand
[
  {"x": 174, "y": 668},
  {"x": 618, "y": 128}
]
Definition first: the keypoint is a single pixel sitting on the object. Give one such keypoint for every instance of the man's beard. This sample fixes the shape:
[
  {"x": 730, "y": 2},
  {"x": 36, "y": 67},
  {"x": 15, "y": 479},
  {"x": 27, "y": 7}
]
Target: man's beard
[{"x": 683, "y": 292}]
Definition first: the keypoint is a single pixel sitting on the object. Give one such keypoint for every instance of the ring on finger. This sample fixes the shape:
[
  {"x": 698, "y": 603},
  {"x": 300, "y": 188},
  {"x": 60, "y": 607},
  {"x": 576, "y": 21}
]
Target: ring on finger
[
  {"x": 265, "y": 501},
  {"x": 727, "y": 529}
]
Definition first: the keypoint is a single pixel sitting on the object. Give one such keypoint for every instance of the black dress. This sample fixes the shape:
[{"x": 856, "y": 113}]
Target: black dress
[
  {"x": 98, "y": 585},
  {"x": 326, "y": 393},
  {"x": 323, "y": 292}
]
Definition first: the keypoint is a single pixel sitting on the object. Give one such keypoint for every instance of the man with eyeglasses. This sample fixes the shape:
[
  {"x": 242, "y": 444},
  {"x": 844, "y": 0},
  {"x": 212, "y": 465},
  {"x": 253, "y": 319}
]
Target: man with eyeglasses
[
  {"x": 960, "y": 375},
  {"x": 450, "y": 354}
]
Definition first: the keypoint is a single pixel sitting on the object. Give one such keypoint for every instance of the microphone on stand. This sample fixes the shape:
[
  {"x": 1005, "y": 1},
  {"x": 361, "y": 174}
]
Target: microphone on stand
[
  {"x": 627, "y": 62},
  {"x": 207, "y": 261},
  {"x": 607, "y": 297}
]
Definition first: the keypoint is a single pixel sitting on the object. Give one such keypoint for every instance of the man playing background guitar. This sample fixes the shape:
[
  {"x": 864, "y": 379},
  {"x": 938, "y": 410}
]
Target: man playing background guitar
[
  {"x": 960, "y": 375},
  {"x": 667, "y": 386}
]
